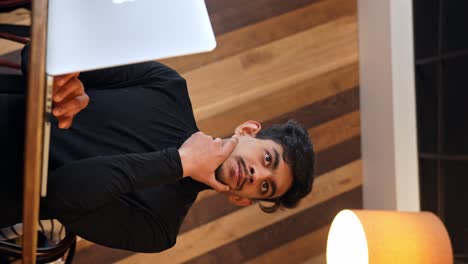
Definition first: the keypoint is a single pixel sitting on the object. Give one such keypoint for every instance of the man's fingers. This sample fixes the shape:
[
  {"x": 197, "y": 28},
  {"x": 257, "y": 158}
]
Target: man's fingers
[
  {"x": 61, "y": 80},
  {"x": 65, "y": 122},
  {"x": 229, "y": 145},
  {"x": 216, "y": 185},
  {"x": 71, "y": 107},
  {"x": 66, "y": 108},
  {"x": 73, "y": 87}
]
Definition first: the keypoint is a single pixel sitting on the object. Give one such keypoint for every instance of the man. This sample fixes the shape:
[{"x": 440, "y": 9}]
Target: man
[{"x": 126, "y": 169}]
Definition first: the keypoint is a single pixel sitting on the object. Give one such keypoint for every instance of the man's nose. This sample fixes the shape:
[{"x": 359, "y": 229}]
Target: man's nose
[{"x": 257, "y": 173}]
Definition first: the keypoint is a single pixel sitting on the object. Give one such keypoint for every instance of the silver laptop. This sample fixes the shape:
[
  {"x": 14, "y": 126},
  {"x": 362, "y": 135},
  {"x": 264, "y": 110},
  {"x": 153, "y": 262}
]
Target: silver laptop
[{"x": 92, "y": 34}]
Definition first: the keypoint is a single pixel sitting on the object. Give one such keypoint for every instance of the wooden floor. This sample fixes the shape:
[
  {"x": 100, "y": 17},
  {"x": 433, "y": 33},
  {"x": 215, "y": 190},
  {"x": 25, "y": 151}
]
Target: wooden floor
[{"x": 276, "y": 60}]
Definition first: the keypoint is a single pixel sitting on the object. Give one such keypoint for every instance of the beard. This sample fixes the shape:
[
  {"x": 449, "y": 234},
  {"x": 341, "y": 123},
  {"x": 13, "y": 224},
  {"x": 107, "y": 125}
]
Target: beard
[{"x": 218, "y": 174}]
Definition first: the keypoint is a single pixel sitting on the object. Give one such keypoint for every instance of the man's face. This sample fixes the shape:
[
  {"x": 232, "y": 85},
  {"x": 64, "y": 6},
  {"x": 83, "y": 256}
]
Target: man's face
[{"x": 255, "y": 170}]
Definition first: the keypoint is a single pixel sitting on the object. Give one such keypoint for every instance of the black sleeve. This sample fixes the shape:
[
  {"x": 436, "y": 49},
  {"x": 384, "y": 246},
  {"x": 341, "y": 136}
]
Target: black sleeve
[
  {"x": 130, "y": 202},
  {"x": 87, "y": 184},
  {"x": 129, "y": 75},
  {"x": 129, "y": 224}
]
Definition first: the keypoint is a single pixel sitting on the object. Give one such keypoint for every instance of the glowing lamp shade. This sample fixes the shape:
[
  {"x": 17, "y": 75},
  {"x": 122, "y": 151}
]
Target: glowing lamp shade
[{"x": 388, "y": 237}]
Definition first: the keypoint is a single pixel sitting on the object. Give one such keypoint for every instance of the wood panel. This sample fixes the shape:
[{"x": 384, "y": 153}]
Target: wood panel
[
  {"x": 275, "y": 78},
  {"x": 284, "y": 101},
  {"x": 338, "y": 155},
  {"x": 320, "y": 259},
  {"x": 300, "y": 249},
  {"x": 321, "y": 111},
  {"x": 264, "y": 32},
  {"x": 336, "y": 131},
  {"x": 228, "y": 15}
]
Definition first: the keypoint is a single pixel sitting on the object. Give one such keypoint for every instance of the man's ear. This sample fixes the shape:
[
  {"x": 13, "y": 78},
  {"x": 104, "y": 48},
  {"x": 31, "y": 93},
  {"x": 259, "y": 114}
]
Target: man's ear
[
  {"x": 239, "y": 201},
  {"x": 250, "y": 128}
]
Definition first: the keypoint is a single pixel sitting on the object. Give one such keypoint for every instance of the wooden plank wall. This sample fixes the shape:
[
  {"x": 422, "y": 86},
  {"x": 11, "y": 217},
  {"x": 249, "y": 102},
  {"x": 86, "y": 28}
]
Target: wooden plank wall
[{"x": 276, "y": 60}]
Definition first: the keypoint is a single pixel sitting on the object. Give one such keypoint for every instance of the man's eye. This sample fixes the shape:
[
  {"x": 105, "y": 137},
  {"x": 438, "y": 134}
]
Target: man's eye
[
  {"x": 264, "y": 187},
  {"x": 267, "y": 158}
]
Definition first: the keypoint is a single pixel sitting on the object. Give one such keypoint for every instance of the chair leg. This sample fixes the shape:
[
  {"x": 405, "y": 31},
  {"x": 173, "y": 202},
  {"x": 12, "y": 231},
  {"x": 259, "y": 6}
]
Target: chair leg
[{"x": 71, "y": 253}]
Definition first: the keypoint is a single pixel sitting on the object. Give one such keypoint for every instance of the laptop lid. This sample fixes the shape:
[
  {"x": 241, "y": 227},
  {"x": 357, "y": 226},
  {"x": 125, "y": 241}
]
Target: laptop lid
[{"x": 88, "y": 34}]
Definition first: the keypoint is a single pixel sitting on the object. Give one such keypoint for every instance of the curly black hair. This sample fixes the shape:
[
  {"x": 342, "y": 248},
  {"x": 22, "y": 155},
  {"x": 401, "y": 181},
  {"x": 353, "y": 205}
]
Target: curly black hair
[{"x": 299, "y": 154}]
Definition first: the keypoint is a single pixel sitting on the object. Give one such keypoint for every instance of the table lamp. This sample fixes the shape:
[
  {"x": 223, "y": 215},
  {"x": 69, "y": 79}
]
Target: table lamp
[{"x": 388, "y": 237}]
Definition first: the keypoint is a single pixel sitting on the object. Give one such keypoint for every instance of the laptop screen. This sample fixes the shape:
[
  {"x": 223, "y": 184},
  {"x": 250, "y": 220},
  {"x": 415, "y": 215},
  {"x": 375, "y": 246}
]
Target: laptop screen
[{"x": 87, "y": 34}]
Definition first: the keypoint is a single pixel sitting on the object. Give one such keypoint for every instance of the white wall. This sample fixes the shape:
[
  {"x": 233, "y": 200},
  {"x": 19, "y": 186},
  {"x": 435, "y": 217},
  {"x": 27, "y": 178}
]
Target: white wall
[{"x": 388, "y": 118}]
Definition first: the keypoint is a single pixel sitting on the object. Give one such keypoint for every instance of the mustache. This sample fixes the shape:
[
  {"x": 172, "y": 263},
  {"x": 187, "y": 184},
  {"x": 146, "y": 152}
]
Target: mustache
[{"x": 244, "y": 167}]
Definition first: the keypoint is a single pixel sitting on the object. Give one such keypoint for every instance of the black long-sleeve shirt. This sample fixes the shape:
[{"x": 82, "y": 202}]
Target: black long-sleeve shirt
[{"x": 115, "y": 175}]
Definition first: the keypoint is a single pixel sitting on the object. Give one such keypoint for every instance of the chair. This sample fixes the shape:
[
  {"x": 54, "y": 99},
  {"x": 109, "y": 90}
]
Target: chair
[
  {"x": 7, "y": 248},
  {"x": 13, "y": 37},
  {"x": 44, "y": 254},
  {"x": 9, "y": 5}
]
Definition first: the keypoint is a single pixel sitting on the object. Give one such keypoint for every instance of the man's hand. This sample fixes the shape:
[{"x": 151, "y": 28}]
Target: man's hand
[
  {"x": 201, "y": 155},
  {"x": 69, "y": 98}
]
